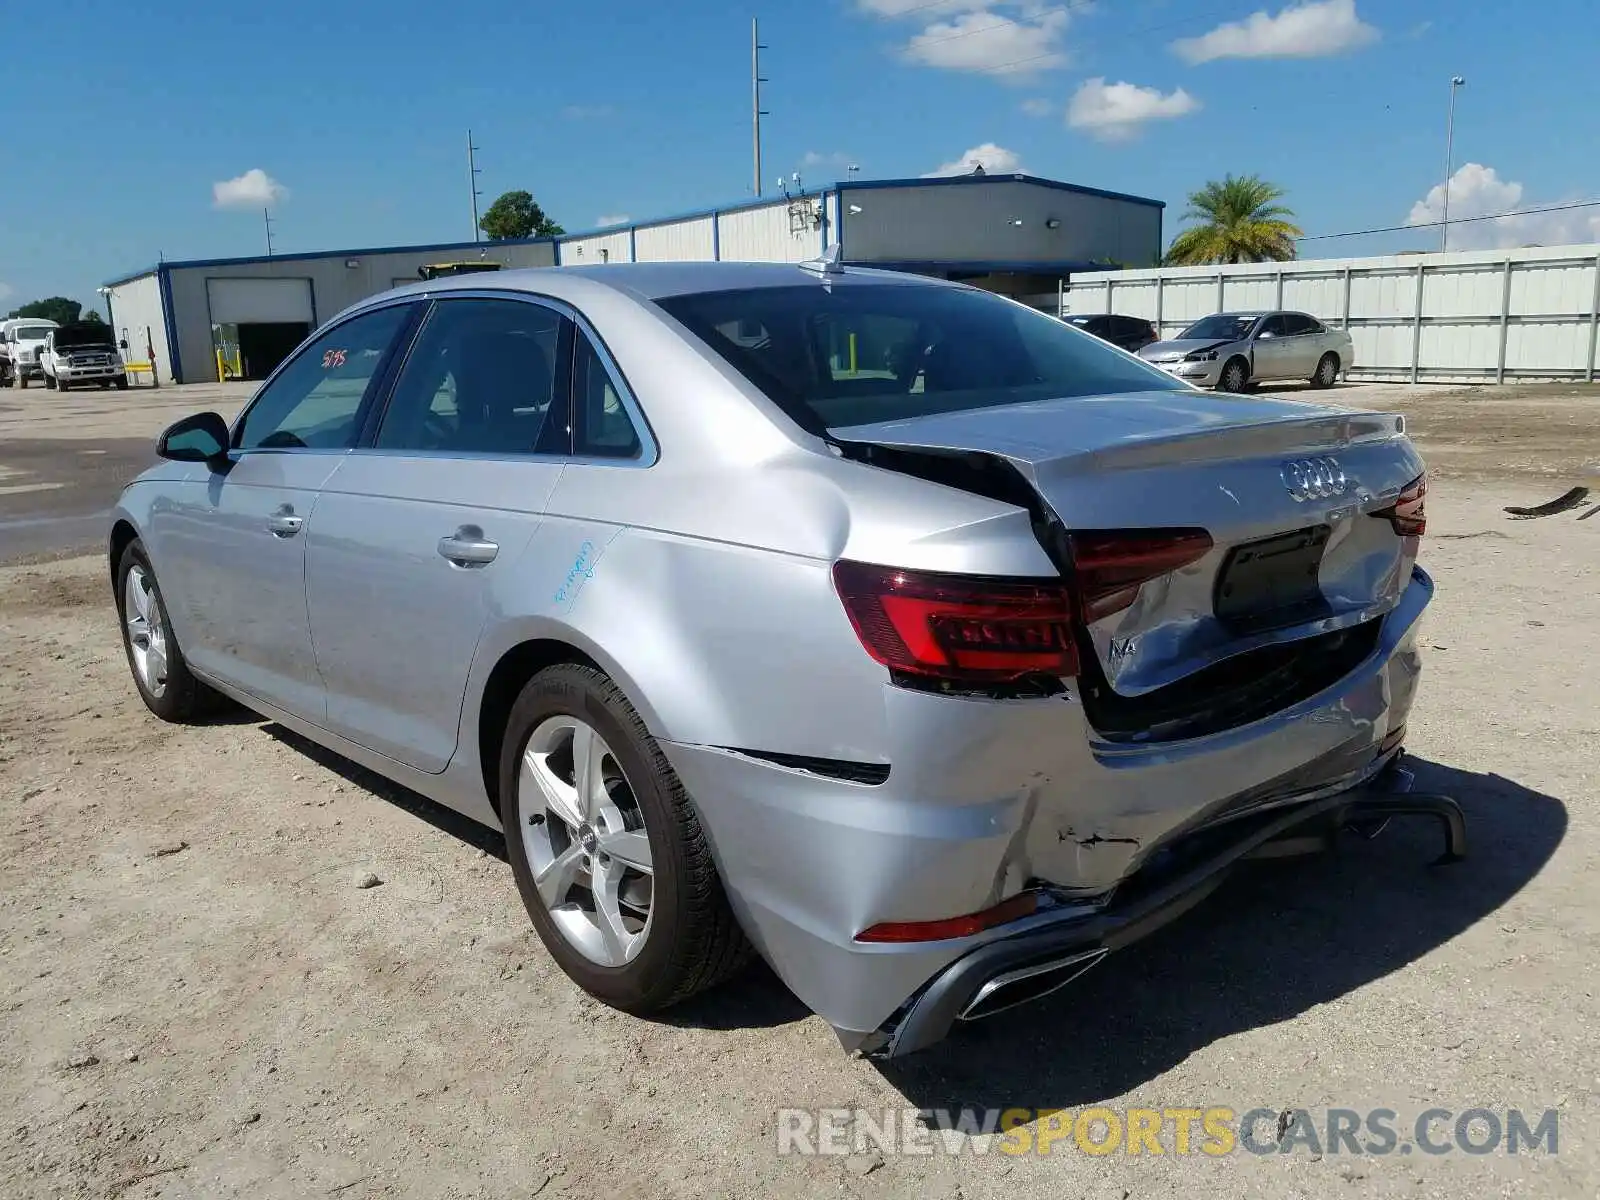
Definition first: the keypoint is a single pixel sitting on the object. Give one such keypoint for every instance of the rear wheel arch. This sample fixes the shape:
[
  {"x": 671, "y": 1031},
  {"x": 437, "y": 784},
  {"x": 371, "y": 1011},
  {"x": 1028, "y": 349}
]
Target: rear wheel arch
[{"x": 510, "y": 674}]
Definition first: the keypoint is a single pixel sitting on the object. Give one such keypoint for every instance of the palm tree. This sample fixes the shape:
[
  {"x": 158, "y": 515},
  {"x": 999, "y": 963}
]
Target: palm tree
[{"x": 1239, "y": 223}]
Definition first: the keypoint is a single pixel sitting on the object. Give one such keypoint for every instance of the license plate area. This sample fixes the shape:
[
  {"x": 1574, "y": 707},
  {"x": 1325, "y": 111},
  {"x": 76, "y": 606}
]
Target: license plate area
[{"x": 1273, "y": 582}]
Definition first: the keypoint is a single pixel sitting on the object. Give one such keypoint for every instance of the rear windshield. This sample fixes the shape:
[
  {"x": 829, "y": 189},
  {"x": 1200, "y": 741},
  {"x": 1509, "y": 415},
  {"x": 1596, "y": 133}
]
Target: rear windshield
[{"x": 840, "y": 356}]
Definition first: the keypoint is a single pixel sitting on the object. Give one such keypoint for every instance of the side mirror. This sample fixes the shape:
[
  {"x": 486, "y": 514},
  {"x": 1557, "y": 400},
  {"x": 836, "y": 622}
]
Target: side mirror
[
  {"x": 200, "y": 438},
  {"x": 123, "y": 344},
  {"x": 1265, "y": 334}
]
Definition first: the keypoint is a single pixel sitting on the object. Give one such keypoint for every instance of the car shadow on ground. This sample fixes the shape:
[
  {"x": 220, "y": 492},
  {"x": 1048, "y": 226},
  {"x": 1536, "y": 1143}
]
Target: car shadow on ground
[
  {"x": 446, "y": 820},
  {"x": 1276, "y": 940}
]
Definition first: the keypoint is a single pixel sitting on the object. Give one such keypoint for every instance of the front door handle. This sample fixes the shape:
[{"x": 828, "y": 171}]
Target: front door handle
[
  {"x": 285, "y": 523},
  {"x": 467, "y": 547}
]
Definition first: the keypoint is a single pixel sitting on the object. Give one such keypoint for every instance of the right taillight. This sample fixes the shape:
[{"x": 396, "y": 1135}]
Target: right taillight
[
  {"x": 1408, "y": 514},
  {"x": 962, "y": 628}
]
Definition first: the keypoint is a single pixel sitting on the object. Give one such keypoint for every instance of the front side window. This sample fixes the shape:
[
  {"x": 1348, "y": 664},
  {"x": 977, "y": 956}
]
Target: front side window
[
  {"x": 1274, "y": 326},
  {"x": 314, "y": 401},
  {"x": 851, "y": 355},
  {"x": 483, "y": 378}
]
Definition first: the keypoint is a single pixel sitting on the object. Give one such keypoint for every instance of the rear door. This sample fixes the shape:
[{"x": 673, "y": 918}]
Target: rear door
[
  {"x": 230, "y": 549},
  {"x": 1304, "y": 345},
  {"x": 418, "y": 531}
]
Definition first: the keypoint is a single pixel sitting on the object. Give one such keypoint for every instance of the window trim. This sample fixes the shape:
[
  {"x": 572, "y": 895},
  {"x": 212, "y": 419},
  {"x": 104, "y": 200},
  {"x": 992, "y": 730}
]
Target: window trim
[
  {"x": 649, "y": 449},
  {"x": 376, "y": 385}
]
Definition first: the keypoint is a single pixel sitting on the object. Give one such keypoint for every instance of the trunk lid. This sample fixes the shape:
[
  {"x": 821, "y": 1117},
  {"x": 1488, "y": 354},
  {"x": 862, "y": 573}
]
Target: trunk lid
[{"x": 1287, "y": 562}]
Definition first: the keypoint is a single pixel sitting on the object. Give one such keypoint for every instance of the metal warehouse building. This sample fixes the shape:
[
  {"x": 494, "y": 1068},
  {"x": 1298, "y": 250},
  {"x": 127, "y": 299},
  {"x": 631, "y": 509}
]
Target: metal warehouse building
[{"x": 1014, "y": 234}]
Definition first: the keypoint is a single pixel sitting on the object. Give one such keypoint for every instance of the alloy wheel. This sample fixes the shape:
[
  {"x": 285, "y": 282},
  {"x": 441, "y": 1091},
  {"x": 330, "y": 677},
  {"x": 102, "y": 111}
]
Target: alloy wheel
[
  {"x": 147, "y": 629},
  {"x": 585, "y": 840}
]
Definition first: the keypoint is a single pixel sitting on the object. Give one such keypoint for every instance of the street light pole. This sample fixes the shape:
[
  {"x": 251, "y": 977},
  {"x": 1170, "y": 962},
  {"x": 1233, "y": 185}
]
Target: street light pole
[{"x": 1449, "y": 161}]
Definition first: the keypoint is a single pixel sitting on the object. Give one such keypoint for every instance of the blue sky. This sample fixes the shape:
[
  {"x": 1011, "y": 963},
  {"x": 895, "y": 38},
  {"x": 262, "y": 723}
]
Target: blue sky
[{"x": 352, "y": 117}]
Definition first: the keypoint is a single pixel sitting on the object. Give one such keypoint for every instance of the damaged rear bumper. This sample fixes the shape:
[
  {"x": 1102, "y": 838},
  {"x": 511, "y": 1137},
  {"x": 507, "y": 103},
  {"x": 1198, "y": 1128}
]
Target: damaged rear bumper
[{"x": 1002, "y": 974}]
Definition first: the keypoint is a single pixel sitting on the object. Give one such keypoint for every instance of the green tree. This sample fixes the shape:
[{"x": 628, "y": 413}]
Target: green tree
[
  {"x": 517, "y": 215},
  {"x": 92, "y": 317},
  {"x": 1238, "y": 222},
  {"x": 57, "y": 308}
]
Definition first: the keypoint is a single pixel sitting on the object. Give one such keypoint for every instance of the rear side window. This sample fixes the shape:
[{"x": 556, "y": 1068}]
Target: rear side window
[
  {"x": 849, "y": 355},
  {"x": 1300, "y": 323},
  {"x": 604, "y": 429}
]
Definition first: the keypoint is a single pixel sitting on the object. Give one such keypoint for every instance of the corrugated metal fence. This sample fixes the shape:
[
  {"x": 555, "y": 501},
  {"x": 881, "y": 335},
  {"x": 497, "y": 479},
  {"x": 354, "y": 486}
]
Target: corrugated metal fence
[{"x": 1474, "y": 316}]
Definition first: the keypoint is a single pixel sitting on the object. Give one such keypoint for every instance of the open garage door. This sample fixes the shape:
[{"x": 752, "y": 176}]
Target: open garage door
[{"x": 255, "y": 323}]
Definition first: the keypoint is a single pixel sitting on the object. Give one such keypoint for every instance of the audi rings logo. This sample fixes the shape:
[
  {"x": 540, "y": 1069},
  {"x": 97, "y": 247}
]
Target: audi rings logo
[{"x": 1314, "y": 478}]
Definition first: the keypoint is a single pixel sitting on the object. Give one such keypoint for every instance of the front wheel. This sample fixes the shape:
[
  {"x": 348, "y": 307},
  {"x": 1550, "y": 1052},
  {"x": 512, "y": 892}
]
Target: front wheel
[
  {"x": 22, "y": 380},
  {"x": 1327, "y": 373},
  {"x": 122, "y": 383},
  {"x": 165, "y": 683},
  {"x": 60, "y": 385},
  {"x": 1235, "y": 374},
  {"x": 607, "y": 849}
]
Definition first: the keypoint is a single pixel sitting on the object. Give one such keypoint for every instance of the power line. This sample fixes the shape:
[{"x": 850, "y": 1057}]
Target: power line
[{"x": 1515, "y": 212}]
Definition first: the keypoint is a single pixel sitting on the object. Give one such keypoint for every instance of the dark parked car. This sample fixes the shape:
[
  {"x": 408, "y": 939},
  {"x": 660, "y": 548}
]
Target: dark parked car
[{"x": 1131, "y": 333}]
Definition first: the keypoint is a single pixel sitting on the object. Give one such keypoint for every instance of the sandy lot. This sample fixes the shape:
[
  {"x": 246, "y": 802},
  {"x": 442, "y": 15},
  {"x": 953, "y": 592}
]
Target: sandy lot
[{"x": 197, "y": 1001}]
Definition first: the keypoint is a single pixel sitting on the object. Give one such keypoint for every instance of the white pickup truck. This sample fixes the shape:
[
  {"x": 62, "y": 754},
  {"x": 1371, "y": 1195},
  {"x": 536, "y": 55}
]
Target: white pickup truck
[
  {"x": 22, "y": 341},
  {"x": 82, "y": 353}
]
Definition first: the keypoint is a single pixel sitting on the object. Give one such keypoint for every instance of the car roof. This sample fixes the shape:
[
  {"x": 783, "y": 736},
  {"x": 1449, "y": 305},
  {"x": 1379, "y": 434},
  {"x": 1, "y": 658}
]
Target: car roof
[{"x": 651, "y": 281}]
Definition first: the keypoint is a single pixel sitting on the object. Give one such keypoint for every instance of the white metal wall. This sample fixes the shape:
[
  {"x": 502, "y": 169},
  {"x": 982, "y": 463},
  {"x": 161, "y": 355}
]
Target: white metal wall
[
  {"x": 587, "y": 250},
  {"x": 765, "y": 235},
  {"x": 693, "y": 240},
  {"x": 136, "y": 317},
  {"x": 1470, "y": 316}
]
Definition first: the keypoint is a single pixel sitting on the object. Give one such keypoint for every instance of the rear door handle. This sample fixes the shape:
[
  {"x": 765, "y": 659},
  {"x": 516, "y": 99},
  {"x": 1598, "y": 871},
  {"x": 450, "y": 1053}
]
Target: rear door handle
[
  {"x": 467, "y": 547},
  {"x": 285, "y": 523}
]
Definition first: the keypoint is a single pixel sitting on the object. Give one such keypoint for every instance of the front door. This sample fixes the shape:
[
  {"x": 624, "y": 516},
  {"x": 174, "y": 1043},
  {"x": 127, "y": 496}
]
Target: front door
[
  {"x": 230, "y": 549},
  {"x": 1270, "y": 349},
  {"x": 419, "y": 536}
]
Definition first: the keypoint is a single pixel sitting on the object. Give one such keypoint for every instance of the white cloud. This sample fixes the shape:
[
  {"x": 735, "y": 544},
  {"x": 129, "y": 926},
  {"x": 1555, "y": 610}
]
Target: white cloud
[
  {"x": 7, "y": 291},
  {"x": 254, "y": 189},
  {"x": 611, "y": 219},
  {"x": 995, "y": 160},
  {"x": 1037, "y": 107},
  {"x": 1115, "y": 112},
  {"x": 816, "y": 158},
  {"x": 1478, "y": 191},
  {"x": 1311, "y": 30},
  {"x": 989, "y": 43},
  {"x": 901, "y": 8}
]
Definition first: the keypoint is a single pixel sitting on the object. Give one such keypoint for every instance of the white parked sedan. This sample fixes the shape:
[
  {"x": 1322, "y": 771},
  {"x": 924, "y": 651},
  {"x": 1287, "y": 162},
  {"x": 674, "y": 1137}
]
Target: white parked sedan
[{"x": 1229, "y": 351}]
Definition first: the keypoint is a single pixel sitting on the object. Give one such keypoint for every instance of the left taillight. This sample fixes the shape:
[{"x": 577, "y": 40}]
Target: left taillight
[
  {"x": 1409, "y": 513},
  {"x": 961, "y": 628}
]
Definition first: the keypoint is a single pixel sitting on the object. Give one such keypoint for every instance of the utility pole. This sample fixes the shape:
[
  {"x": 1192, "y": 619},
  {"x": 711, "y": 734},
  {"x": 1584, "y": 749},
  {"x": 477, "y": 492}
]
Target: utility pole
[
  {"x": 756, "y": 81},
  {"x": 1449, "y": 161},
  {"x": 266, "y": 217},
  {"x": 472, "y": 185}
]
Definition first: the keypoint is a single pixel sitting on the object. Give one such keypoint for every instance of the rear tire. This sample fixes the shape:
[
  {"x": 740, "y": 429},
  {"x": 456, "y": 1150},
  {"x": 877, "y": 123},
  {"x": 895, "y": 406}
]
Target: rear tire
[
  {"x": 670, "y": 932},
  {"x": 22, "y": 380},
  {"x": 1235, "y": 376},
  {"x": 1327, "y": 373},
  {"x": 159, "y": 670}
]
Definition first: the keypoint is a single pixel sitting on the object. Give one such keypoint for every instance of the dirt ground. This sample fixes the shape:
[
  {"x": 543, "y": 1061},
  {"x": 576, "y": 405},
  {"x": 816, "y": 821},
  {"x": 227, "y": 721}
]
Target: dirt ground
[{"x": 196, "y": 999}]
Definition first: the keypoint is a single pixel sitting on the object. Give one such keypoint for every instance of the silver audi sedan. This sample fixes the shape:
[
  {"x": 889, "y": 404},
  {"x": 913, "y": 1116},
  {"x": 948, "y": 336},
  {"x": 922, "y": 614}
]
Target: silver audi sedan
[
  {"x": 909, "y": 638},
  {"x": 1230, "y": 351}
]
